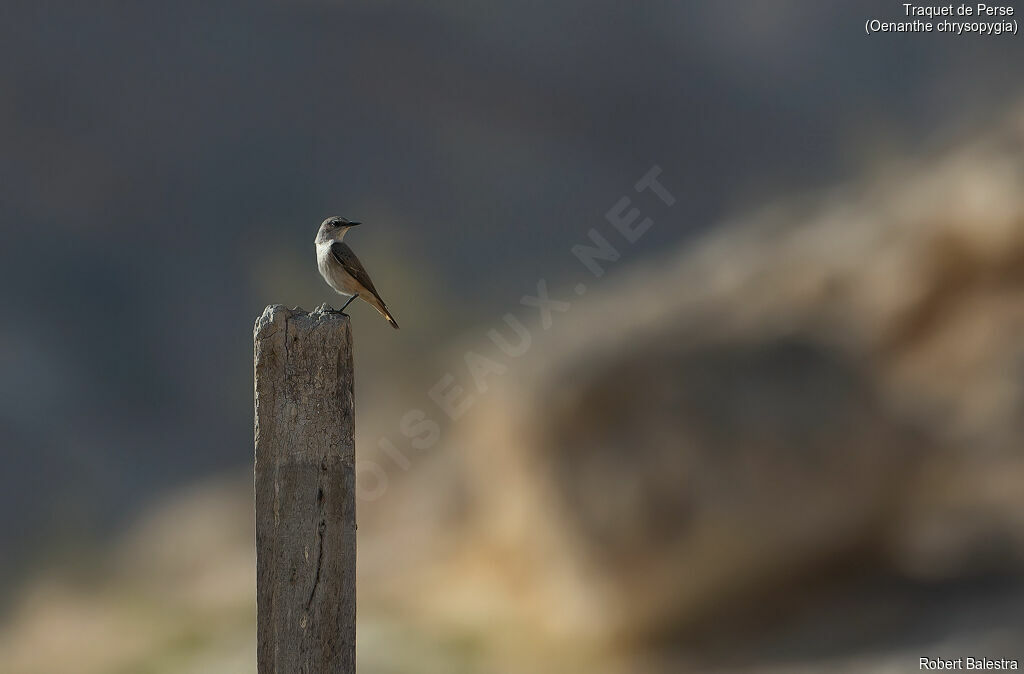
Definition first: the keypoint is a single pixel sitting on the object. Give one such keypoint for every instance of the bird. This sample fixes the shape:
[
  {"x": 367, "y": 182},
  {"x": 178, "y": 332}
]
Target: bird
[{"x": 342, "y": 269}]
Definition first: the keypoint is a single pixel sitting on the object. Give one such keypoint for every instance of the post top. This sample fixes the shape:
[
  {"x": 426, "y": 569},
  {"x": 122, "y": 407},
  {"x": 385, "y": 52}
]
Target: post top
[{"x": 276, "y": 315}]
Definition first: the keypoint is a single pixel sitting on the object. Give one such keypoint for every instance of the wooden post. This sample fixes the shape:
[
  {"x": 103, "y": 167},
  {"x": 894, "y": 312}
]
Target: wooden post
[{"x": 305, "y": 493}]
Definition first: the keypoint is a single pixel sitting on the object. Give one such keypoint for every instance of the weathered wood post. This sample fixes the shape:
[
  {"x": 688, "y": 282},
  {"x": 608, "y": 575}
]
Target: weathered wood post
[{"x": 305, "y": 493}]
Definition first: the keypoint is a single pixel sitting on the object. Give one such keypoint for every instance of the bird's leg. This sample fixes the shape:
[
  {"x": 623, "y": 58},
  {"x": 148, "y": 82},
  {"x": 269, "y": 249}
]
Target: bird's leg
[{"x": 348, "y": 303}]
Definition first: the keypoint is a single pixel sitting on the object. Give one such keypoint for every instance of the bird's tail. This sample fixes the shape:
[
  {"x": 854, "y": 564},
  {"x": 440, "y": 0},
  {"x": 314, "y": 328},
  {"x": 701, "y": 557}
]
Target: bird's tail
[{"x": 379, "y": 305}]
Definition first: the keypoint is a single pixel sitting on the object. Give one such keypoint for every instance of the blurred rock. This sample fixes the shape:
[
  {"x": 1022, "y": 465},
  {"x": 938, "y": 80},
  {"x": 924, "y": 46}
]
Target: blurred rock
[{"x": 836, "y": 383}]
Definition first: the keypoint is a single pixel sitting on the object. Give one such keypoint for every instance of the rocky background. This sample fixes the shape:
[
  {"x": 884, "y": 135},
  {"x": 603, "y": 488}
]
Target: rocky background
[
  {"x": 781, "y": 433},
  {"x": 808, "y": 456}
]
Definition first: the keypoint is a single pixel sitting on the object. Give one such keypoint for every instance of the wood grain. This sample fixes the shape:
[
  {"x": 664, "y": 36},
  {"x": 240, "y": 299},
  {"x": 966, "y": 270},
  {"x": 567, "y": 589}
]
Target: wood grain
[{"x": 305, "y": 492}]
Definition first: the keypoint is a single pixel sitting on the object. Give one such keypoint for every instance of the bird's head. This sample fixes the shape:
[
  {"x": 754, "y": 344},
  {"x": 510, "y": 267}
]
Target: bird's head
[{"x": 334, "y": 228}]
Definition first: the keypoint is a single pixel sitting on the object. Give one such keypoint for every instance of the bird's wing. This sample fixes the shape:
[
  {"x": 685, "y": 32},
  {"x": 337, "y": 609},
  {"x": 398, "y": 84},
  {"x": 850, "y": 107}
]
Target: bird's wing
[
  {"x": 344, "y": 256},
  {"x": 348, "y": 260}
]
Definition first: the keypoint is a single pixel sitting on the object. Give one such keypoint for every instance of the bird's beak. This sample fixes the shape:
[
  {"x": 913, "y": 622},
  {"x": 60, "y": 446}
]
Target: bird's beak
[{"x": 353, "y": 224}]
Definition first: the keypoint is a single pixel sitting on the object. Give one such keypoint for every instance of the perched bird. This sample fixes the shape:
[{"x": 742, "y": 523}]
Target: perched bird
[{"x": 342, "y": 269}]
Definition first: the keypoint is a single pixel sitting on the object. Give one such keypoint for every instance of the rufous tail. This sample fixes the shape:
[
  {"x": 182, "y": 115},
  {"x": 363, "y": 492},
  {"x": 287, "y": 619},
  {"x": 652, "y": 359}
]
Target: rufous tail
[{"x": 379, "y": 305}]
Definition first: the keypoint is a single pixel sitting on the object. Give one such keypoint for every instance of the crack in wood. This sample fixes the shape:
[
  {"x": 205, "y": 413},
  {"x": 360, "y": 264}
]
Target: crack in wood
[{"x": 319, "y": 563}]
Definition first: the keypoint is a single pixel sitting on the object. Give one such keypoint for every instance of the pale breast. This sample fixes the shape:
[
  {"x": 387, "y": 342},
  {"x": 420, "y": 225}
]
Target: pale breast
[{"x": 333, "y": 272}]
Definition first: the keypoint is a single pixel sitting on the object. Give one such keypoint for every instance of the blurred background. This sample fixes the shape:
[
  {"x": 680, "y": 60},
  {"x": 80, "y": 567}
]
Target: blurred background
[{"x": 781, "y": 433}]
